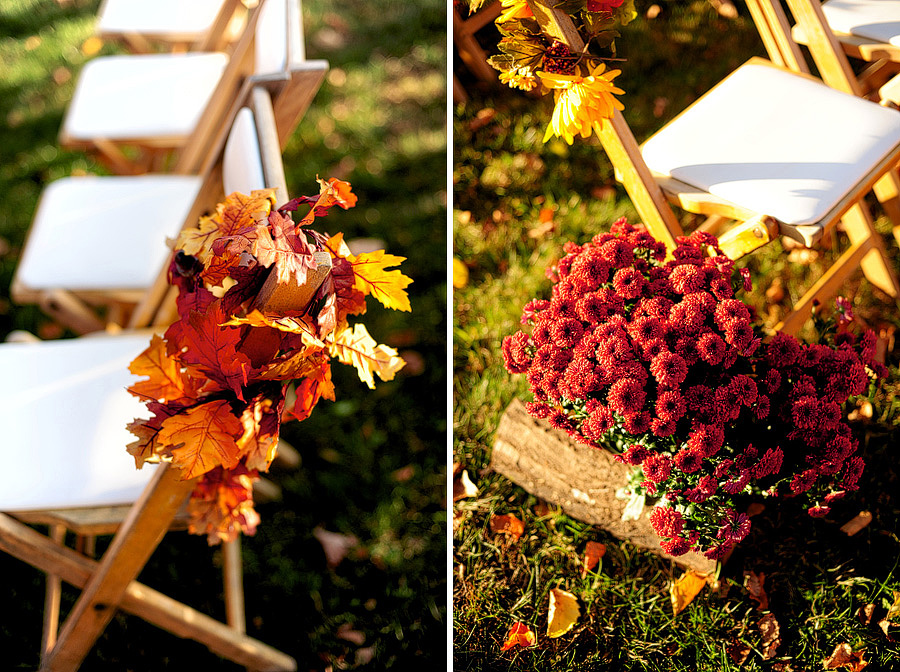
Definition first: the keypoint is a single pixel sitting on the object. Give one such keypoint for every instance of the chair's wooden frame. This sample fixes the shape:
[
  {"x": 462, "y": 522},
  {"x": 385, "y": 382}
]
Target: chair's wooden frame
[
  {"x": 141, "y": 41},
  {"x": 471, "y": 53},
  {"x": 110, "y": 583},
  {"x": 292, "y": 93},
  {"x": 652, "y": 195}
]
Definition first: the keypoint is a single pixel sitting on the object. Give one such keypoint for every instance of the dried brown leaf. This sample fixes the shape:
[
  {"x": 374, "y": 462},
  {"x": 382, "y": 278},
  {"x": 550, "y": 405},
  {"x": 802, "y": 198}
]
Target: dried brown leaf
[
  {"x": 859, "y": 522},
  {"x": 507, "y": 524},
  {"x": 771, "y": 636},
  {"x": 844, "y": 656},
  {"x": 463, "y": 486},
  {"x": 865, "y": 614},
  {"x": 593, "y": 551},
  {"x": 738, "y": 652},
  {"x": 754, "y": 583}
]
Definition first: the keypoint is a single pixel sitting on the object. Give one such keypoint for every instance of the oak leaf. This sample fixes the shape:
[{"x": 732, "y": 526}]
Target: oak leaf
[
  {"x": 593, "y": 551},
  {"x": 564, "y": 613},
  {"x": 519, "y": 635},
  {"x": 683, "y": 591},
  {"x": 198, "y": 241},
  {"x": 240, "y": 211},
  {"x": 507, "y": 524},
  {"x": 165, "y": 379},
  {"x": 202, "y": 438},
  {"x": 211, "y": 349},
  {"x": 388, "y": 287},
  {"x": 355, "y": 346}
]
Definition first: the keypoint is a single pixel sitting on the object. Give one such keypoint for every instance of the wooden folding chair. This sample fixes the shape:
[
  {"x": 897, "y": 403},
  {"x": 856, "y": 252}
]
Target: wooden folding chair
[
  {"x": 77, "y": 468},
  {"x": 134, "y": 111},
  {"x": 828, "y": 50},
  {"x": 468, "y": 48},
  {"x": 126, "y": 219},
  {"x": 145, "y": 26},
  {"x": 796, "y": 158}
]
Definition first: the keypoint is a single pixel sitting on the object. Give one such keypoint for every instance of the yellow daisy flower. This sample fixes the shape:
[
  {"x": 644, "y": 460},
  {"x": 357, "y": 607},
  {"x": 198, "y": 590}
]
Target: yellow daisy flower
[
  {"x": 519, "y": 78},
  {"x": 513, "y": 9},
  {"x": 581, "y": 102}
]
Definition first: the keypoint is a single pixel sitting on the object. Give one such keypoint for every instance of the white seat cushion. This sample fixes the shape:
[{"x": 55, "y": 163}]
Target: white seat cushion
[
  {"x": 775, "y": 143},
  {"x": 105, "y": 233},
  {"x": 877, "y": 20},
  {"x": 175, "y": 19},
  {"x": 138, "y": 96},
  {"x": 64, "y": 410},
  {"x": 241, "y": 163}
]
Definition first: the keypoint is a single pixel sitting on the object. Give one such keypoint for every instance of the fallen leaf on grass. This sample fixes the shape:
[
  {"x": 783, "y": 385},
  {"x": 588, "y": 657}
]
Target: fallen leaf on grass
[
  {"x": 771, "y": 636},
  {"x": 844, "y": 656},
  {"x": 460, "y": 273},
  {"x": 593, "y": 551},
  {"x": 507, "y": 524},
  {"x": 564, "y": 612},
  {"x": 519, "y": 635},
  {"x": 862, "y": 520},
  {"x": 754, "y": 583},
  {"x": 336, "y": 546},
  {"x": 463, "y": 486},
  {"x": 347, "y": 633},
  {"x": 865, "y": 614},
  {"x": 738, "y": 652},
  {"x": 685, "y": 589},
  {"x": 894, "y": 611}
]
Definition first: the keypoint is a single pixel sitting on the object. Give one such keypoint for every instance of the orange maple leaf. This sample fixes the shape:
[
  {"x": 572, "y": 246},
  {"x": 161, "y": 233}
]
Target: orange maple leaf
[
  {"x": 202, "y": 438},
  {"x": 165, "y": 379},
  {"x": 240, "y": 211},
  {"x": 388, "y": 287},
  {"x": 259, "y": 442},
  {"x": 519, "y": 635},
  {"x": 355, "y": 346},
  {"x": 310, "y": 390},
  {"x": 288, "y": 250}
]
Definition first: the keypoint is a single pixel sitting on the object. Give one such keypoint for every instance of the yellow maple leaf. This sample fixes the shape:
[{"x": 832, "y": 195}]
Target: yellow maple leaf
[
  {"x": 388, "y": 287},
  {"x": 202, "y": 438},
  {"x": 240, "y": 210},
  {"x": 197, "y": 241},
  {"x": 293, "y": 325},
  {"x": 564, "y": 612},
  {"x": 165, "y": 379},
  {"x": 685, "y": 589},
  {"x": 355, "y": 346}
]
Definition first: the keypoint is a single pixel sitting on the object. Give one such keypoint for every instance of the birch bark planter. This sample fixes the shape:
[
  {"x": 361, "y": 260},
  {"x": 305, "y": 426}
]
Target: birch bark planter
[{"x": 579, "y": 479}]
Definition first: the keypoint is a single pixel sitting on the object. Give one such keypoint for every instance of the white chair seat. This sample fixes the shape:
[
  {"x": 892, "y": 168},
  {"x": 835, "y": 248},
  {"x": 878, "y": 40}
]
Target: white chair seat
[
  {"x": 775, "y": 143},
  {"x": 105, "y": 233},
  {"x": 175, "y": 19},
  {"x": 877, "y": 20},
  {"x": 64, "y": 410},
  {"x": 140, "y": 96}
]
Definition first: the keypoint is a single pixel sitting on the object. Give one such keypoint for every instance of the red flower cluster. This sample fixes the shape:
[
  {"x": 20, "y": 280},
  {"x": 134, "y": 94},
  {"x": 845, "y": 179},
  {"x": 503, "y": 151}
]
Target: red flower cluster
[{"x": 661, "y": 357}]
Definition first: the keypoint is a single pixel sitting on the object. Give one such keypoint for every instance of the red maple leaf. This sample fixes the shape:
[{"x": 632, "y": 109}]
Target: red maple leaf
[{"x": 212, "y": 349}]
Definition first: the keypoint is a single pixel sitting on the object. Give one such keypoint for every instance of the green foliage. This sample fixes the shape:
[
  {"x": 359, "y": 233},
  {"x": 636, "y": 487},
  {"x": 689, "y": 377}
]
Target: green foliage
[{"x": 816, "y": 577}]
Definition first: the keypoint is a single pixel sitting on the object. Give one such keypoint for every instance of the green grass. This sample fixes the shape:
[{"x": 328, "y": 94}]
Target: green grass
[
  {"x": 816, "y": 577},
  {"x": 373, "y": 463}
]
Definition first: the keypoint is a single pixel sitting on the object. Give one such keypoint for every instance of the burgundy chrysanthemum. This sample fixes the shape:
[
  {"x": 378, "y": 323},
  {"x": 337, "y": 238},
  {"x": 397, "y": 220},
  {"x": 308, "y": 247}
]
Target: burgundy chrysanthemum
[
  {"x": 626, "y": 396},
  {"x": 783, "y": 350},
  {"x": 711, "y": 348},
  {"x": 657, "y": 468},
  {"x": 598, "y": 423},
  {"x": 532, "y": 309},
  {"x": 688, "y": 460},
  {"x": 670, "y": 406},
  {"x": 687, "y": 278},
  {"x": 669, "y": 369},
  {"x": 662, "y": 428},
  {"x": 538, "y": 409},
  {"x": 515, "y": 351},
  {"x": 738, "y": 334},
  {"x": 731, "y": 309},
  {"x": 567, "y": 332},
  {"x": 803, "y": 481},
  {"x": 769, "y": 464},
  {"x": 666, "y": 522},
  {"x": 819, "y": 511},
  {"x": 735, "y": 527},
  {"x": 629, "y": 283}
]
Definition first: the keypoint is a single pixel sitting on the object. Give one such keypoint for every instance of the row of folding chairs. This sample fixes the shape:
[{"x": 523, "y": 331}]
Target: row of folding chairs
[
  {"x": 100, "y": 242},
  {"x": 796, "y": 159}
]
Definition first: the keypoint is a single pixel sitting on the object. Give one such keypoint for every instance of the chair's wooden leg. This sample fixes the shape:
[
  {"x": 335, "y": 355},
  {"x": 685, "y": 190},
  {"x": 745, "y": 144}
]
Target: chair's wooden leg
[
  {"x": 858, "y": 225},
  {"x": 70, "y": 311},
  {"x": 52, "y": 597},
  {"x": 132, "y": 546},
  {"x": 887, "y": 191},
  {"x": 24, "y": 543},
  {"x": 827, "y": 286},
  {"x": 114, "y": 158},
  {"x": 232, "y": 570}
]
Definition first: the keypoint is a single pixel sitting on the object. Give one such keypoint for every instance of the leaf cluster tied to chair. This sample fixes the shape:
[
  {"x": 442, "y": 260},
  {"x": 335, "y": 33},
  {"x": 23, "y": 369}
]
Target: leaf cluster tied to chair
[
  {"x": 76, "y": 475},
  {"x": 796, "y": 159}
]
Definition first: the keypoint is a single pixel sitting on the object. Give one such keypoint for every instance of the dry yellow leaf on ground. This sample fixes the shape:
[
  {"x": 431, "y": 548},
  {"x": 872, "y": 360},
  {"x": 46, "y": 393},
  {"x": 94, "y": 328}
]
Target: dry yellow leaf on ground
[
  {"x": 685, "y": 589},
  {"x": 460, "y": 273},
  {"x": 564, "y": 612}
]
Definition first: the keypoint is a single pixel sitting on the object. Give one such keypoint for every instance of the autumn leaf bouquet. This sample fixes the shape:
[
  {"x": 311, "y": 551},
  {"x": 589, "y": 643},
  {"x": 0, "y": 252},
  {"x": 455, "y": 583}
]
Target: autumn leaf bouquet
[
  {"x": 530, "y": 59},
  {"x": 659, "y": 362},
  {"x": 263, "y": 305}
]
